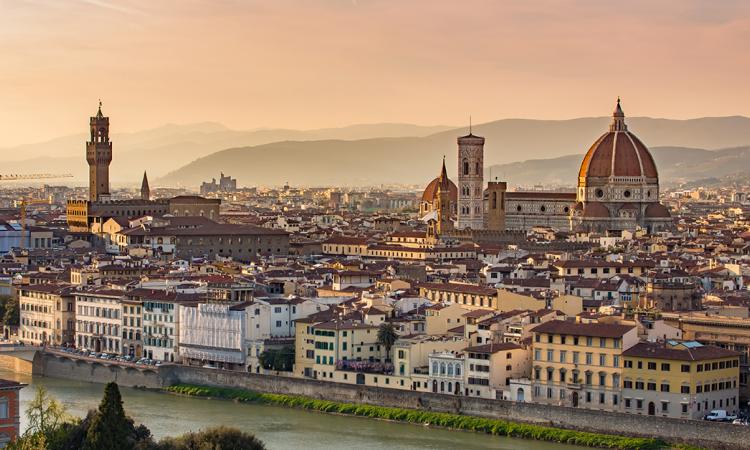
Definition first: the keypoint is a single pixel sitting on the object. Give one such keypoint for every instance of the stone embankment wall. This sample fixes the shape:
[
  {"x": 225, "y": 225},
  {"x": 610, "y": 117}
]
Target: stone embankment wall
[{"x": 704, "y": 434}]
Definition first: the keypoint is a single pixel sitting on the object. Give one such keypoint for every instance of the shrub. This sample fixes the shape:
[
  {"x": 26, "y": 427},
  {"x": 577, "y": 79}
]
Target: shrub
[{"x": 456, "y": 421}]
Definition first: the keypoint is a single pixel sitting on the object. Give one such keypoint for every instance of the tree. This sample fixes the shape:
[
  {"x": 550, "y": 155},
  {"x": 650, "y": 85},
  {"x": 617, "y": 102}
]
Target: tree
[
  {"x": 279, "y": 360},
  {"x": 387, "y": 336},
  {"x": 44, "y": 413},
  {"x": 218, "y": 438},
  {"x": 12, "y": 312},
  {"x": 110, "y": 428}
]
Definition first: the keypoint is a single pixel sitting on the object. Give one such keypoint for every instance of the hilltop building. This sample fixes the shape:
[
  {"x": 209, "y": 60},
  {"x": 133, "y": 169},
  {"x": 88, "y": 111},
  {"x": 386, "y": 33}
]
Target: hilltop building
[{"x": 225, "y": 184}]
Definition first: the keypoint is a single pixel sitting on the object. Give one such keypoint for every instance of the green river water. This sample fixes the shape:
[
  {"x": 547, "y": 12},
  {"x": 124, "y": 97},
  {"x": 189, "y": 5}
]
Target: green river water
[{"x": 280, "y": 428}]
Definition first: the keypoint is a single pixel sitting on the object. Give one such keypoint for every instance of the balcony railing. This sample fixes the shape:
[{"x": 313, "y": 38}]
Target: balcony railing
[{"x": 365, "y": 366}]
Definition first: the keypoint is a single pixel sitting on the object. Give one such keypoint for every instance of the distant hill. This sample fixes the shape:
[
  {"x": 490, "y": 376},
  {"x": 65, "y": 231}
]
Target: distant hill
[
  {"x": 551, "y": 151},
  {"x": 162, "y": 149}
]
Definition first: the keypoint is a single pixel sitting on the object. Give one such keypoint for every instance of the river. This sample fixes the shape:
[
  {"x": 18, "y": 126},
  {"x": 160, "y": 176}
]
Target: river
[{"x": 280, "y": 428}]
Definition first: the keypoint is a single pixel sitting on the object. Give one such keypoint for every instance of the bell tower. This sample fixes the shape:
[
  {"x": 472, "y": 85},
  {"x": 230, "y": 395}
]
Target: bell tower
[
  {"x": 99, "y": 155},
  {"x": 470, "y": 182}
]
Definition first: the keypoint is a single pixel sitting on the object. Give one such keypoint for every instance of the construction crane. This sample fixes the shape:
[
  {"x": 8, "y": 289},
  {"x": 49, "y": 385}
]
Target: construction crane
[{"x": 33, "y": 176}]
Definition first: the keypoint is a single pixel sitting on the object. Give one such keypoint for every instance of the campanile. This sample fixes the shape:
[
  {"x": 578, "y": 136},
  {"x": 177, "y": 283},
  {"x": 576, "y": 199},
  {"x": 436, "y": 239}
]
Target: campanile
[{"x": 99, "y": 155}]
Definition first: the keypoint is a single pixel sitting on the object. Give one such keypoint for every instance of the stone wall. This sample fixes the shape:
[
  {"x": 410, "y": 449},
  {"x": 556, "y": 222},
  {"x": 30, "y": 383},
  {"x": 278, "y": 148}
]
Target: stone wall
[
  {"x": 704, "y": 434},
  {"x": 50, "y": 365}
]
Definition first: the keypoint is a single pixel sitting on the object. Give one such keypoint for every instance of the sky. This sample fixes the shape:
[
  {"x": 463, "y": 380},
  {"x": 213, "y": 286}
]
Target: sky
[{"x": 323, "y": 63}]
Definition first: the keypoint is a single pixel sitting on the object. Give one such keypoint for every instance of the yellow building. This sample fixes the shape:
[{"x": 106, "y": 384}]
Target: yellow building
[
  {"x": 579, "y": 364},
  {"x": 679, "y": 379},
  {"x": 47, "y": 315}
]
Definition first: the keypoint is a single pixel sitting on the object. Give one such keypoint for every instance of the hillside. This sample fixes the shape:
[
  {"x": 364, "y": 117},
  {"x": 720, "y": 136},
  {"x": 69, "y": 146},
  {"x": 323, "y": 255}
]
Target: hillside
[
  {"x": 551, "y": 151},
  {"x": 162, "y": 149}
]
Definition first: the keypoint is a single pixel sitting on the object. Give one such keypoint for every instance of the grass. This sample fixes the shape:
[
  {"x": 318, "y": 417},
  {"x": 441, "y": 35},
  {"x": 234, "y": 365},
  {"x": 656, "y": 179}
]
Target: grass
[{"x": 445, "y": 420}]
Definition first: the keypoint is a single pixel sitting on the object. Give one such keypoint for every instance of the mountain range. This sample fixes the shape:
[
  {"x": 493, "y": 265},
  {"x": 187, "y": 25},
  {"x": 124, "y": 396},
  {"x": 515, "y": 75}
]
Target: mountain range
[
  {"x": 162, "y": 149},
  {"x": 521, "y": 151}
]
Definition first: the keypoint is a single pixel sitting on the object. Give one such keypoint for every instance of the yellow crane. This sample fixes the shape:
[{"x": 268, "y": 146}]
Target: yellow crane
[
  {"x": 31, "y": 201},
  {"x": 33, "y": 176}
]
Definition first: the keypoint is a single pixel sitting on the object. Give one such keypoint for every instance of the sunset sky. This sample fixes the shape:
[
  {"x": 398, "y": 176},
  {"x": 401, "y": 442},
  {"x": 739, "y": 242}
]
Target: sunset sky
[{"x": 324, "y": 63}]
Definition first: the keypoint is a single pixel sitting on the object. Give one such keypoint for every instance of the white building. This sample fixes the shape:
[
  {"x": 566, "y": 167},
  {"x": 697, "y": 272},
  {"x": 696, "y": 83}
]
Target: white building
[
  {"x": 213, "y": 334},
  {"x": 447, "y": 371}
]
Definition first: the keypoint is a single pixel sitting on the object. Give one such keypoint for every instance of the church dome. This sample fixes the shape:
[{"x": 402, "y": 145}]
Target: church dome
[
  {"x": 595, "y": 210},
  {"x": 618, "y": 153},
  {"x": 431, "y": 191}
]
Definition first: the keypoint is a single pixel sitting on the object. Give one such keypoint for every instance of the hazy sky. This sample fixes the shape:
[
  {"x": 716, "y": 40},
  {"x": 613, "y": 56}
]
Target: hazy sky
[{"x": 320, "y": 63}]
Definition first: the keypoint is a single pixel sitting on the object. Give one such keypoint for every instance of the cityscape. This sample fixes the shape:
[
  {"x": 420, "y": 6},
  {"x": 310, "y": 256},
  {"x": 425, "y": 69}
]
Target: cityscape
[{"x": 546, "y": 282}]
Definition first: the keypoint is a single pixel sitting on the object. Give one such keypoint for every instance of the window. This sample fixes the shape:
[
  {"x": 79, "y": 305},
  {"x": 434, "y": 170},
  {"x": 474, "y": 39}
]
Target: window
[
  {"x": 4, "y": 408},
  {"x": 628, "y": 363},
  {"x": 685, "y": 368},
  {"x": 665, "y": 367},
  {"x": 684, "y": 389},
  {"x": 651, "y": 366},
  {"x": 589, "y": 358},
  {"x": 664, "y": 407},
  {"x": 665, "y": 387}
]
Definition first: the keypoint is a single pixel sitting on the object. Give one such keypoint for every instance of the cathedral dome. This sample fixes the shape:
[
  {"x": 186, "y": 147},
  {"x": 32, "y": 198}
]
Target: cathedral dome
[
  {"x": 595, "y": 210},
  {"x": 618, "y": 153},
  {"x": 431, "y": 191}
]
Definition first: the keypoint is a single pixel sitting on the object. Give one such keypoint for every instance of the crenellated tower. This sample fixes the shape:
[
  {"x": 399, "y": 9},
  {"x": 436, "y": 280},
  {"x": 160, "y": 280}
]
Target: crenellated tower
[{"x": 99, "y": 155}]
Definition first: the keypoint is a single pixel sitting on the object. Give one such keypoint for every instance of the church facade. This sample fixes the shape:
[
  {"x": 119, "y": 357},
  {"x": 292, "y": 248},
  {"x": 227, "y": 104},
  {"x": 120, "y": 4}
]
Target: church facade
[{"x": 618, "y": 189}]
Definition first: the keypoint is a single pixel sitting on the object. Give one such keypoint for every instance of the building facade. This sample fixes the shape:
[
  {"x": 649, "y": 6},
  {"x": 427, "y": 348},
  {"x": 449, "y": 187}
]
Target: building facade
[
  {"x": 680, "y": 379},
  {"x": 47, "y": 314}
]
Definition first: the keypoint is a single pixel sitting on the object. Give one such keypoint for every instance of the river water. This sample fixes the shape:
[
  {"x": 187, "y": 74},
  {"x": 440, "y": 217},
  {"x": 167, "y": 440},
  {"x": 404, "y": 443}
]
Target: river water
[{"x": 280, "y": 428}]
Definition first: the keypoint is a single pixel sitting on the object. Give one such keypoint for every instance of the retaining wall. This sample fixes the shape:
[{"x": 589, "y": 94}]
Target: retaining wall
[{"x": 700, "y": 433}]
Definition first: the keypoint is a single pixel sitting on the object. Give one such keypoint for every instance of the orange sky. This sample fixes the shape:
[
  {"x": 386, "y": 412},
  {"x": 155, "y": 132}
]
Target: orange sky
[{"x": 319, "y": 63}]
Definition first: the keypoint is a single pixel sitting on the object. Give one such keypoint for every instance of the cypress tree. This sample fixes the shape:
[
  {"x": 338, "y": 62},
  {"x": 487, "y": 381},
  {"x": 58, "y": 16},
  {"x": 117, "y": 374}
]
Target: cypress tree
[{"x": 110, "y": 429}]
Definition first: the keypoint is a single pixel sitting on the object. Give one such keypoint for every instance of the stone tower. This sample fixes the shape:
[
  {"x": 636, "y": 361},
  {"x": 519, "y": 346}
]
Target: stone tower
[
  {"x": 496, "y": 205},
  {"x": 145, "y": 190},
  {"x": 99, "y": 155},
  {"x": 470, "y": 182}
]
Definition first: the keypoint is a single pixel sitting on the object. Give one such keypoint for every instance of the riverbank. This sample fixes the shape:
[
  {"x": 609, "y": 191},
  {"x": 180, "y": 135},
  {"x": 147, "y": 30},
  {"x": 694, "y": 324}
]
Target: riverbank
[
  {"x": 281, "y": 428},
  {"x": 444, "y": 420},
  {"x": 682, "y": 431}
]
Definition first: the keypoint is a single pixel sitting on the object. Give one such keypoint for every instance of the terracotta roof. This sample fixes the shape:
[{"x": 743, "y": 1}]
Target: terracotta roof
[
  {"x": 619, "y": 153},
  {"x": 583, "y": 329},
  {"x": 678, "y": 352},
  {"x": 493, "y": 348}
]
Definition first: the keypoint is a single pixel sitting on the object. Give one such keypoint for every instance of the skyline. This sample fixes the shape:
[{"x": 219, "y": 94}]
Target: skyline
[{"x": 331, "y": 64}]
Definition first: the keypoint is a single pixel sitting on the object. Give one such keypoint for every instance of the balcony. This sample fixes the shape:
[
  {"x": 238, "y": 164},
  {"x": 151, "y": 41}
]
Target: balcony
[{"x": 364, "y": 366}]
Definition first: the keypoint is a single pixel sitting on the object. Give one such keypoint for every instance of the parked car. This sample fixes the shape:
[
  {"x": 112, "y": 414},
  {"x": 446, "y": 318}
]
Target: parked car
[{"x": 719, "y": 415}]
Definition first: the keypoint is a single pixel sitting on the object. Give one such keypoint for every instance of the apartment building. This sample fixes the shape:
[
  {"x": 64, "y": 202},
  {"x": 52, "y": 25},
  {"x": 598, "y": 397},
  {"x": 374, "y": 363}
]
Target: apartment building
[
  {"x": 47, "y": 314},
  {"x": 679, "y": 379},
  {"x": 99, "y": 320},
  {"x": 579, "y": 364}
]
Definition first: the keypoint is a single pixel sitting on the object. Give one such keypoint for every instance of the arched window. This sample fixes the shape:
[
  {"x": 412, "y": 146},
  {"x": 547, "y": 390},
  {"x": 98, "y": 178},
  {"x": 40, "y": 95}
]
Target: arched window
[
  {"x": 477, "y": 168},
  {"x": 442, "y": 368},
  {"x": 434, "y": 368},
  {"x": 458, "y": 370},
  {"x": 450, "y": 370},
  {"x": 466, "y": 167}
]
